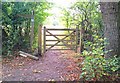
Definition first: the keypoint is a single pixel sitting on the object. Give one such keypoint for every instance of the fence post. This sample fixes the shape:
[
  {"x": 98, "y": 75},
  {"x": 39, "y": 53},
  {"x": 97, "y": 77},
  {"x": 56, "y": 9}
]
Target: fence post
[
  {"x": 44, "y": 39},
  {"x": 80, "y": 41},
  {"x": 40, "y": 40},
  {"x": 32, "y": 31},
  {"x": 76, "y": 39}
]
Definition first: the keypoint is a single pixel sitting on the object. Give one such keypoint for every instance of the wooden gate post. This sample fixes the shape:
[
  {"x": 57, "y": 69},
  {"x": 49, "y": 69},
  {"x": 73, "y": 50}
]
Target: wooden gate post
[
  {"x": 80, "y": 41},
  {"x": 76, "y": 39},
  {"x": 40, "y": 40},
  {"x": 44, "y": 39}
]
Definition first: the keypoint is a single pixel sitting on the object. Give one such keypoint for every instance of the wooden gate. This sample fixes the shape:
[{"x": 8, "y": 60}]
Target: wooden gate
[{"x": 72, "y": 46}]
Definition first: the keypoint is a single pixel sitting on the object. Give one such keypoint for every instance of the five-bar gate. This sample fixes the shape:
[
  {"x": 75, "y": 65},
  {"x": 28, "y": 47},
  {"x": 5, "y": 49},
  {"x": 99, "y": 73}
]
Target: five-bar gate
[{"x": 63, "y": 39}]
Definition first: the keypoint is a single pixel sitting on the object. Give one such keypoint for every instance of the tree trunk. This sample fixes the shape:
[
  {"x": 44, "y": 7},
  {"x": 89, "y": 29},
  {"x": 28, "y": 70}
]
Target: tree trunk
[
  {"x": 111, "y": 28},
  {"x": 119, "y": 26}
]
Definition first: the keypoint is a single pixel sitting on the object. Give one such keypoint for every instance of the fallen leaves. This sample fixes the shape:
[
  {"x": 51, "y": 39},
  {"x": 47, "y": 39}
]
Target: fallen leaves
[
  {"x": 17, "y": 64},
  {"x": 48, "y": 69},
  {"x": 51, "y": 80},
  {"x": 9, "y": 75},
  {"x": 20, "y": 64},
  {"x": 70, "y": 68},
  {"x": 73, "y": 71},
  {"x": 37, "y": 71},
  {"x": 71, "y": 77},
  {"x": 62, "y": 77}
]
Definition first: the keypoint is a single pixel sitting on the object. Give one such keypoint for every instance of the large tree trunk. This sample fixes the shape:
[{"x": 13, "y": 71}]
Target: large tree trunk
[
  {"x": 111, "y": 29},
  {"x": 119, "y": 26}
]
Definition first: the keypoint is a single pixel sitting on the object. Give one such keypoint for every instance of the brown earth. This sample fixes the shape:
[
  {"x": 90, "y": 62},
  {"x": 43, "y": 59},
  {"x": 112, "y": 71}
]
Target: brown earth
[{"x": 54, "y": 65}]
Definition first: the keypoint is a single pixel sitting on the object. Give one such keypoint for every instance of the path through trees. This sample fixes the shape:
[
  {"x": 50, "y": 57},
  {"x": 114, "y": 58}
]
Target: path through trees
[{"x": 53, "y": 66}]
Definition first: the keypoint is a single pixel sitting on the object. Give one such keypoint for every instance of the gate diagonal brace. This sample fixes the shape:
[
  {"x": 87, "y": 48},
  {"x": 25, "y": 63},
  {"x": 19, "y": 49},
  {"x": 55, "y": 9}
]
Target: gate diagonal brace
[{"x": 59, "y": 40}]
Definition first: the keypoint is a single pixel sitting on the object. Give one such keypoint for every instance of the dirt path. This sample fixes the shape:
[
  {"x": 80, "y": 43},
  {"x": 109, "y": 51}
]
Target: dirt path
[{"x": 53, "y": 66}]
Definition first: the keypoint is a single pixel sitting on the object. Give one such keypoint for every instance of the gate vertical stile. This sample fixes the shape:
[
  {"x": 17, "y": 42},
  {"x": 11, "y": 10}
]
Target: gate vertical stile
[
  {"x": 80, "y": 41},
  {"x": 76, "y": 39},
  {"x": 44, "y": 39}
]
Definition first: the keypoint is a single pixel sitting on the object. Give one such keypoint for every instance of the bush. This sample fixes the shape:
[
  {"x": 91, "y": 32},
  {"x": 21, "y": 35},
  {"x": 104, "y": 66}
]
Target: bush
[{"x": 95, "y": 66}]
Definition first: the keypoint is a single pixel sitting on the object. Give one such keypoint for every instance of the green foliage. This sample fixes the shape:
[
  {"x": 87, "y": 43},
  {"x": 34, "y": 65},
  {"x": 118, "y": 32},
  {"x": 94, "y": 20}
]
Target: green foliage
[
  {"x": 87, "y": 17},
  {"x": 113, "y": 65},
  {"x": 40, "y": 16},
  {"x": 82, "y": 14},
  {"x": 67, "y": 17},
  {"x": 16, "y": 29},
  {"x": 95, "y": 66}
]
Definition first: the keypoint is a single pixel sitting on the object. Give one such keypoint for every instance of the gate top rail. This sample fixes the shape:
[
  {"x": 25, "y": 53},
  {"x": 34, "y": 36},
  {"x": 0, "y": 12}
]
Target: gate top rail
[{"x": 60, "y": 29}]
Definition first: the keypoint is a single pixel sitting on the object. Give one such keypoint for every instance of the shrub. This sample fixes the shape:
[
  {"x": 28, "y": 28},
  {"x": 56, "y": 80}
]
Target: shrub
[{"x": 95, "y": 66}]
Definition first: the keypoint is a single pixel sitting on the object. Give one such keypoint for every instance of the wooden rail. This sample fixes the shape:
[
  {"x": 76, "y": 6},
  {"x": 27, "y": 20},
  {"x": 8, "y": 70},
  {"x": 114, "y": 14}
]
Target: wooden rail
[
  {"x": 73, "y": 32},
  {"x": 64, "y": 40},
  {"x": 61, "y": 49},
  {"x": 71, "y": 44},
  {"x": 59, "y": 35},
  {"x": 62, "y": 29},
  {"x": 60, "y": 45}
]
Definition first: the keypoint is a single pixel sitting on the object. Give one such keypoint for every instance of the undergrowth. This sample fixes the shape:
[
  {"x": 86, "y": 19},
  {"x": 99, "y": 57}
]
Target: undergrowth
[{"x": 95, "y": 66}]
